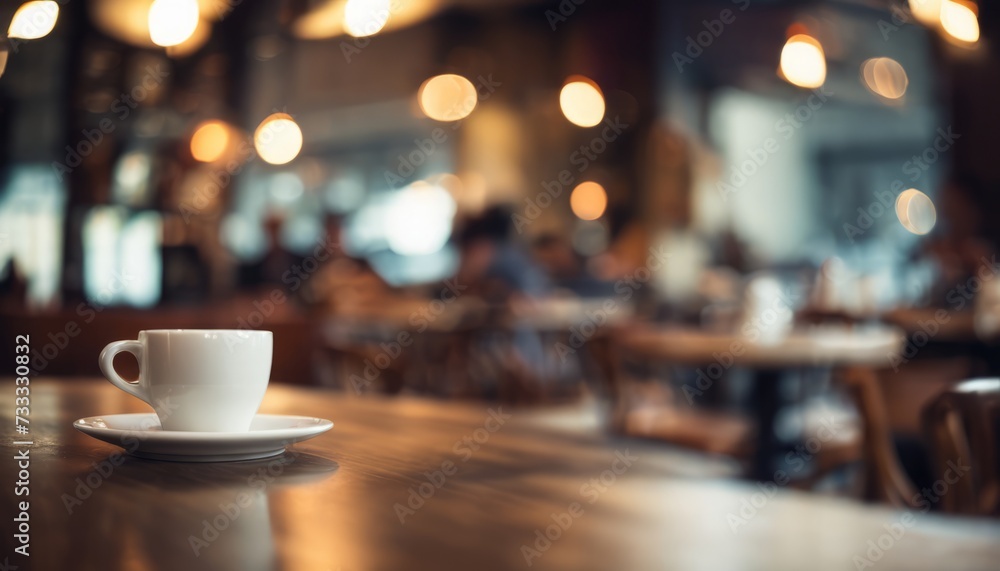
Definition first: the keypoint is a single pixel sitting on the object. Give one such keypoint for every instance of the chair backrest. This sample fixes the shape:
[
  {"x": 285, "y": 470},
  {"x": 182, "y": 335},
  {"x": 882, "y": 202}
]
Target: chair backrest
[{"x": 961, "y": 427}]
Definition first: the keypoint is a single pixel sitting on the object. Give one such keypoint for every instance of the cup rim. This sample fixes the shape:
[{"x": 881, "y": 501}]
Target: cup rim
[{"x": 200, "y": 331}]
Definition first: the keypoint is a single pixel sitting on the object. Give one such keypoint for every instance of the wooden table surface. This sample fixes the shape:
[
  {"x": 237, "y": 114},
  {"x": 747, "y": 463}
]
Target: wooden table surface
[
  {"x": 331, "y": 503},
  {"x": 942, "y": 324},
  {"x": 816, "y": 346}
]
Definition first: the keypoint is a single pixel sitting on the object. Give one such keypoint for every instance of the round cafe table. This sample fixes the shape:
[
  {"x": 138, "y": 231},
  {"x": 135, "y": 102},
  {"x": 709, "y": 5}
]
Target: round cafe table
[{"x": 829, "y": 347}]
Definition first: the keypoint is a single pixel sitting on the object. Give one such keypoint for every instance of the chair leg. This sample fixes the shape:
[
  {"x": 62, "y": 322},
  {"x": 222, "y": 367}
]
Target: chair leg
[{"x": 885, "y": 479}]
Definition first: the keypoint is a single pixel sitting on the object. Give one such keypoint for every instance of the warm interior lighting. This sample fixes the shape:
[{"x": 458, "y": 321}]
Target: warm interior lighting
[
  {"x": 916, "y": 211},
  {"x": 210, "y": 141},
  {"x": 320, "y": 22},
  {"x": 959, "y": 21},
  {"x": 927, "y": 12},
  {"x": 171, "y": 22},
  {"x": 413, "y": 12},
  {"x": 278, "y": 139},
  {"x": 195, "y": 41},
  {"x": 328, "y": 19},
  {"x": 3, "y": 60},
  {"x": 588, "y": 200},
  {"x": 885, "y": 76},
  {"x": 128, "y": 21},
  {"x": 124, "y": 20},
  {"x": 447, "y": 97},
  {"x": 803, "y": 62},
  {"x": 33, "y": 20},
  {"x": 365, "y": 17},
  {"x": 582, "y": 103}
]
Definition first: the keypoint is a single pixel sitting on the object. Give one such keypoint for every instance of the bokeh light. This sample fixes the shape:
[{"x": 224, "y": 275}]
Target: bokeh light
[
  {"x": 588, "y": 200},
  {"x": 959, "y": 21},
  {"x": 210, "y": 141},
  {"x": 278, "y": 139},
  {"x": 171, "y": 22},
  {"x": 927, "y": 12},
  {"x": 365, "y": 17},
  {"x": 418, "y": 222},
  {"x": 128, "y": 21},
  {"x": 332, "y": 18},
  {"x": 803, "y": 62},
  {"x": 582, "y": 102},
  {"x": 916, "y": 211},
  {"x": 202, "y": 33},
  {"x": 33, "y": 20},
  {"x": 885, "y": 77},
  {"x": 447, "y": 97}
]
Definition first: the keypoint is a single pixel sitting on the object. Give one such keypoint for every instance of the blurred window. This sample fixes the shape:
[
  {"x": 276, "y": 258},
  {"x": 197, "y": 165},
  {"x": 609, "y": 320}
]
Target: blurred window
[
  {"x": 121, "y": 256},
  {"x": 32, "y": 206}
]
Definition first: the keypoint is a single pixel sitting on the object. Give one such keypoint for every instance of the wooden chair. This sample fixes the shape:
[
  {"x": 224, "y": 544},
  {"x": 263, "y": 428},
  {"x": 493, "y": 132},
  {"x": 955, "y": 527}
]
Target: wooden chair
[
  {"x": 885, "y": 479},
  {"x": 961, "y": 428},
  {"x": 638, "y": 411}
]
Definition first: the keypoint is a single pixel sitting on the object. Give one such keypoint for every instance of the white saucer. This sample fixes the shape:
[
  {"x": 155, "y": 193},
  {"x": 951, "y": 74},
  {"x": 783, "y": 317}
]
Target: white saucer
[{"x": 141, "y": 435}]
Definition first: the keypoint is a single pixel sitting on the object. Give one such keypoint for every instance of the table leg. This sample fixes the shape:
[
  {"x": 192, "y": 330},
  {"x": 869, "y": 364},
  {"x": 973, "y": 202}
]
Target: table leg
[{"x": 766, "y": 405}]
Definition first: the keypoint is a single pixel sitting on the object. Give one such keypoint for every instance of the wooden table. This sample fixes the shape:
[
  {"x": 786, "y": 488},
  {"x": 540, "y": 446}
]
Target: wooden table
[
  {"x": 942, "y": 325},
  {"x": 817, "y": 346},
  {"x": 330, "y": 503},
  {"x": 825, "y": 347},
  {"x": 439, "y": 339}
]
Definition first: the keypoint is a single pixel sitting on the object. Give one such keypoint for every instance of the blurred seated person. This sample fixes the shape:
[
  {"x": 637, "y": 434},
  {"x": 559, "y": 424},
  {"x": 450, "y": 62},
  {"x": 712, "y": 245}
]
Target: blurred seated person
[
  {"x": 343, "y": 281},
  {"x": 508, "y": 359},
  {"x": 492, "y": 264},
  {"x": 13, "y": 285},
  {"x": 566, "y": 268},
  {"x": 962, "y": 239},
  {"x": 275, "y": 267},
  {"x": 185, "y": 277}
]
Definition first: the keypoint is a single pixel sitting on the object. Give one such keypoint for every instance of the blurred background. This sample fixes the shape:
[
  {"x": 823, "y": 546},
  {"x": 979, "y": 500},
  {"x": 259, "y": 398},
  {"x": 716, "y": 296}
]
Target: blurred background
[{"x": 713, "y": 224}]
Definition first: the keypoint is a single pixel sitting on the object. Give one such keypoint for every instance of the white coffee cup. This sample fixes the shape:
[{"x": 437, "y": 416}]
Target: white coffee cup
[{"x": 204, "y": 380}]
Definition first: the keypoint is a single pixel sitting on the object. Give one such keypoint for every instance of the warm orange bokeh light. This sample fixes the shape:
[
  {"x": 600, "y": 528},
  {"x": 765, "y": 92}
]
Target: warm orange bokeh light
[
  {"x": 210, "y": 141},
  {"x": 172, "y": 22},
  {"x": 278, "y": 139},
  {"x": 582, "y": 102},
  {"x": 588, "y": 201},
  {"x": 885, "y": 76},
  {"x": 803, "y": 62},
  {"x": 366, "y": 17},
  {"x": 447, "y": 97},
  {"x": 959, "y": 21},
  {"x": 33, "y": 20},
  {"x": 927, "y": 12},
  {"x": 916, "y": 211}
]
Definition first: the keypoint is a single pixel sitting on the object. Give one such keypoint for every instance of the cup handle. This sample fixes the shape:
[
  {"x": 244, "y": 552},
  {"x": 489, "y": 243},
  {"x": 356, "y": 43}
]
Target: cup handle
[{"x": 136, "y": 389}]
